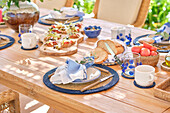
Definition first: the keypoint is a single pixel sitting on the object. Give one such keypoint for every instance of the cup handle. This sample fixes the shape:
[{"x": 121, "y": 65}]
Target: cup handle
[{"x": 152, "y": 77}]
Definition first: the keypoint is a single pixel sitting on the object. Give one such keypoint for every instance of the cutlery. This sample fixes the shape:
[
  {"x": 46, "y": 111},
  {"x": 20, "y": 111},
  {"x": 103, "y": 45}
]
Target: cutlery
[
  {"x": 5, "y": 43},
  {"x": 101, "y": 69},
  {"x": 91, "y": 85},
  {"x": 113, "y": 54}
]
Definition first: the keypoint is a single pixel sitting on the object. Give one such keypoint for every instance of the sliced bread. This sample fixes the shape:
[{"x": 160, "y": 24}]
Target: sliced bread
[
  {"x": 100, "y": 55},
  {"x": 101, "y": 44}
]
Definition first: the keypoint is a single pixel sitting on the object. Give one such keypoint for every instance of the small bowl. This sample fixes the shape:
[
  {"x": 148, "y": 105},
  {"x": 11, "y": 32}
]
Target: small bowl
[{"x": 92, "y": 31}]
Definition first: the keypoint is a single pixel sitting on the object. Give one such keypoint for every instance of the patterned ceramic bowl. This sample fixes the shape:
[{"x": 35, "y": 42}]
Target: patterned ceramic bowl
[{"x": 92, "y": 31}]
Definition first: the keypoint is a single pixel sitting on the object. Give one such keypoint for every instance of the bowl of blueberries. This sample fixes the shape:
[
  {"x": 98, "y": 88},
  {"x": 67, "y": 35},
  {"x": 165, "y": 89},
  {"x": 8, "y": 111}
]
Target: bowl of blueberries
[{"x": 92, "y": 31}]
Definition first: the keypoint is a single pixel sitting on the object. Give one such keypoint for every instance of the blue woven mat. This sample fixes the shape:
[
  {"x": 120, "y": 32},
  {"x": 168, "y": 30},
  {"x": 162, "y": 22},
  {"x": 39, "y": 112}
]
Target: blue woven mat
[
  {"x": 8, "y": 44},
  {"x": 114, "y": 80},
  {"x": 135, "y": 42},
  {"x": 40, "y": 22}
]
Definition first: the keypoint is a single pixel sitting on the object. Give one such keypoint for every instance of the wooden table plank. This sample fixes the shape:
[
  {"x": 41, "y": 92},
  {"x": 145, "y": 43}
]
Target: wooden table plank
[{"x": 38, "y": 92}]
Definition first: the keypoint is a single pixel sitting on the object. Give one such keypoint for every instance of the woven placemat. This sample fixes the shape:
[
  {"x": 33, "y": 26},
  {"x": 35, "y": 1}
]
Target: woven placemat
[
  {"x": 74, "y": 88},
  {"x": 12, "y": 40},
  {"x": 46, "y": 22},
  {"x": 165, "y": 50}
]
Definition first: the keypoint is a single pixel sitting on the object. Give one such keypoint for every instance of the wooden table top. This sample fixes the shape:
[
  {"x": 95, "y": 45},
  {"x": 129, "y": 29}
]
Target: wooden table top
[{"x": 27, "y": 79}]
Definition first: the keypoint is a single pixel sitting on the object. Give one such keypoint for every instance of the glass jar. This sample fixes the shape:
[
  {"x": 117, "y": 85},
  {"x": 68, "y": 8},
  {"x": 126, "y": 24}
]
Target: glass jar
[{"x": 27, "y": 13}]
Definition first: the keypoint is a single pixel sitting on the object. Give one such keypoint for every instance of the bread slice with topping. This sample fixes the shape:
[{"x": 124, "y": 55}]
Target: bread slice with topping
[{"x": 100, "y": 55}]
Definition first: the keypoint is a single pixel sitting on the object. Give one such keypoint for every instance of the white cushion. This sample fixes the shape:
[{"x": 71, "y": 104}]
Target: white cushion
[
  {"x": 51, "y": 4},
  {"x": 119, "y": 11}
]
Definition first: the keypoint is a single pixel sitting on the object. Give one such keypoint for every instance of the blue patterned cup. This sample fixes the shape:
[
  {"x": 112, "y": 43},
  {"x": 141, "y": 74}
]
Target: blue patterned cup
[
  {"x": 130, "y": 61},
  {"x": 123, "y": 34}
]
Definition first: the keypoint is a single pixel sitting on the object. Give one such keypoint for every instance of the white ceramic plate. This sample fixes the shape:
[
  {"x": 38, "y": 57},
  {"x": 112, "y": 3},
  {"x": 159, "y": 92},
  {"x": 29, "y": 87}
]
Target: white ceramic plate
[{"x": 92, "y": 74}]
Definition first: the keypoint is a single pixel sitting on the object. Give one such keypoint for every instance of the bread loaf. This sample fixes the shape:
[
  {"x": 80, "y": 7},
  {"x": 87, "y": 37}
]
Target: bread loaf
[
  {"x": 116, "y": 47},
  {"x": 100, "y": 55}
]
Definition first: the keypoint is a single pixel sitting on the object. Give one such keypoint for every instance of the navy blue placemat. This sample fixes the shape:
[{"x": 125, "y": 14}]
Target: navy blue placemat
[
  {"x": 8, "y": 44},
  {"x": 135, "y": 42},
  {"x": 114, "y": 80},
  {"x": 144, "y": 87},
  {"x": 30, "y": 49},
  {"x": 39, "y": 21}
]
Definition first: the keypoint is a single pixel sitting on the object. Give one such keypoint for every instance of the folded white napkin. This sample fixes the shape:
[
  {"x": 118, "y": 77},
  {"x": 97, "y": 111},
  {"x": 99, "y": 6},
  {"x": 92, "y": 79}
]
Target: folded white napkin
[
  {"x": 56, "y": 15},
  {"x": 68, "y": 73}
]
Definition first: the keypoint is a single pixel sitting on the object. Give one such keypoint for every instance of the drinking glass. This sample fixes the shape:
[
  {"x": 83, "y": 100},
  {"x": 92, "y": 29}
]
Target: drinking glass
[
  {"x": 122, "y": 33},
  {"x": 24, "y": 28},
  {"x": 130, "y": 61}
]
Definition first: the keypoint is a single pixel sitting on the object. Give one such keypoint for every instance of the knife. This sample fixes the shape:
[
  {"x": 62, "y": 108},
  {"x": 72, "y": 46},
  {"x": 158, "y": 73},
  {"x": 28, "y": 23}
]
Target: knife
[
  {"x": 91, "y": 85},
  {"x": 113, "y": 54}
]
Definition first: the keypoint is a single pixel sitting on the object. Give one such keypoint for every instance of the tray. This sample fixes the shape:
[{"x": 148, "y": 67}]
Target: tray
[
  {"x": 160, "y": 46},
  {"x": 162, "y": 90},
  {"x": 42, "y": 20},
  {"x": 75, "y": 88}
]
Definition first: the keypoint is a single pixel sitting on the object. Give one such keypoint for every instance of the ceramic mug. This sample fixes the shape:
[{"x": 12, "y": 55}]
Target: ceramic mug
[
  {"x": 29, "y": 40},
  {"x": 144, "y": 75}
]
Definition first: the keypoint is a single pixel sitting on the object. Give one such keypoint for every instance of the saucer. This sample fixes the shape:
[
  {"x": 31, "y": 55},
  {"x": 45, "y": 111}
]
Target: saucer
[
  {"x": 127, "y": 76},
  {"x": 29, "y": 49},
  {"x": 144, "y": 87},
  {"x": 165, "y": 67}
]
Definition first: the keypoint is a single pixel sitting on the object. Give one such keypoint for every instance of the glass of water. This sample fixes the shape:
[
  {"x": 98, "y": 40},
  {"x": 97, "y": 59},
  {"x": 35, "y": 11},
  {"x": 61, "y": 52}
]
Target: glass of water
[
  {"x": 130, "y": 61},
  {"x": 24, "y": 28}
]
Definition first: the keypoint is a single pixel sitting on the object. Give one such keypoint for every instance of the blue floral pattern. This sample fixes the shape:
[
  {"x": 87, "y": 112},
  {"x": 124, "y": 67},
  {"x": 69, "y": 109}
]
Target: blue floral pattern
[{"x": 127, "y": 38}]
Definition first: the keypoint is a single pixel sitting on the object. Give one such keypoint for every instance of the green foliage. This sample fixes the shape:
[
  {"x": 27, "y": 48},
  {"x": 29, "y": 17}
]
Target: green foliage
[
  {"x": 84, "y": 5},
  {"x": 158, "y": 14},
  {"x": 7, "y": 3}
]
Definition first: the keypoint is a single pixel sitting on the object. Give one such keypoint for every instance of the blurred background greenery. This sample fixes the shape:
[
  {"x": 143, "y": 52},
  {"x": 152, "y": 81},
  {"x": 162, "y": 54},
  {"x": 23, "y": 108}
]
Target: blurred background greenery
[{"x": 158, "y": 14}]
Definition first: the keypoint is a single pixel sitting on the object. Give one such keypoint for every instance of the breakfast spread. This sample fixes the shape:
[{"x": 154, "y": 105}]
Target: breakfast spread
[
  {"x": 62, "y": 39},
  {"x": 101, "y": 52}
]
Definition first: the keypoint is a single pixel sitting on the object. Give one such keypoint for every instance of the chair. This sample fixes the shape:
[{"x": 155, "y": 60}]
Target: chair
[
  {"x": 51, "y": 4},
  {"x": 9, "y": 101},
  {"x": 132, "y": 12}
]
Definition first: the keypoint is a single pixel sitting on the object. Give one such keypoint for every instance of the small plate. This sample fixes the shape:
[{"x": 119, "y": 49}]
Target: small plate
[{"x": 92, "y": 74}]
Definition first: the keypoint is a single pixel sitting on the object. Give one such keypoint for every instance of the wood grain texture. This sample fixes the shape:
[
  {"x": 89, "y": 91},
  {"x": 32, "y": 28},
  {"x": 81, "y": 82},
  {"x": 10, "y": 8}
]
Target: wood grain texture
[{"x": 27, "y": 78}]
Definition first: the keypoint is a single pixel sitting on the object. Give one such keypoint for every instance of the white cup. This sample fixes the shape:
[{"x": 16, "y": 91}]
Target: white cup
[
  {"x": 144, "y": 75},
  {"x": 29, "y": 40}
]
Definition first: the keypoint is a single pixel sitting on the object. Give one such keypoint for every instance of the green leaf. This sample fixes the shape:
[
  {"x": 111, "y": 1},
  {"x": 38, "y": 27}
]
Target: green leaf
[{"x": 82, "y": 62}]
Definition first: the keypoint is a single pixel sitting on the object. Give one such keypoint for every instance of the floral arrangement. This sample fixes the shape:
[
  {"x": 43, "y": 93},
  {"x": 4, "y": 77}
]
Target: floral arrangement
[{"x": 7, "y": 3}]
